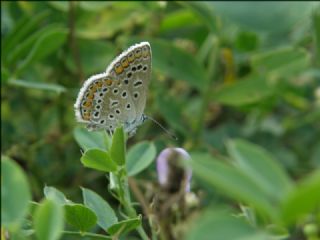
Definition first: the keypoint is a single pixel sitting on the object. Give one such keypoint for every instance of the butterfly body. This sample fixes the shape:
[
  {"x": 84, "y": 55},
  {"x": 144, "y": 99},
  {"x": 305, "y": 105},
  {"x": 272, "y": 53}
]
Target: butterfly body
[{"x": 117, "y": 96}]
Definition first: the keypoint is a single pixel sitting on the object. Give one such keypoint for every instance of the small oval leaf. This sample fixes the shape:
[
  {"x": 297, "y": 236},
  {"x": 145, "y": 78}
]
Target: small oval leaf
[
  {"x": 15, "y": 192},
  {"x": 124, "y": 226},
  {"x": 55, "y": 195},
  {"x": 140, "y": 157},
  {"x": 105, "y": 214},
  {"x": 88, "y": 140},
  {"x": 261, "y": 167},
  {"x": 99, "y": 160},
  {"x": 117, "y": 150},
  {"x": 80, "y": 217},
  {"x": 48, "y": 220}
]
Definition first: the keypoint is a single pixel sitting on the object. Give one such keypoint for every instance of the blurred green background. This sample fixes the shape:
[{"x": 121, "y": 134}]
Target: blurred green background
[{"x": 221, "y": 70}]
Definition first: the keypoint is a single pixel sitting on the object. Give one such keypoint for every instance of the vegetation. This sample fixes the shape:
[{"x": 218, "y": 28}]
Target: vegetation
[{"x": 238, "y": 84}]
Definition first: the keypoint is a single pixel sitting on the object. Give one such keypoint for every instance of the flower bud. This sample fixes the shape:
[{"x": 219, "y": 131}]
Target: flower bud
[{"x": 172, "y": 174}]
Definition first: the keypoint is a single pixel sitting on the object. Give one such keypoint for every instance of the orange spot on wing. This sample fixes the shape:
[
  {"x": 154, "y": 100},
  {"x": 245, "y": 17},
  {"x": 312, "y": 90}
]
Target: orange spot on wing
[
  {"x": 124, "y": 62},
  {"x": 108, "y": 82},
  {"x": 98, "y": 84},
  {"x": 138, "y": 53},
  {"x": 86, "y": 116},
  {"x": 145, "y": 52},
  {"x": 87, "y": 103},
  {"x": 130, "y": 57},
  {"x": 118, "y": 68}
]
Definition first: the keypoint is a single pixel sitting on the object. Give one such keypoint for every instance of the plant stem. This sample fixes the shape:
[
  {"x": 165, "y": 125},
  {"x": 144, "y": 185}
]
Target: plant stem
[
  {"x": 207, "y": 92},
  {"x": 126, "y": 201},
  {"x": 87, "y": 234}
]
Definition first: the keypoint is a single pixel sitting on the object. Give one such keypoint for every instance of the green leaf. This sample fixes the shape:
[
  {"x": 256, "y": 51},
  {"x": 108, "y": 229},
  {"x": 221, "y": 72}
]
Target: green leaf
[
  {"x": 49, "y": 42},
  {"x": 105, "y": 214},
  {"x": 95, "y": 56},
  {"x": 205, "y": 11},
  {"x": 124, "y": 226},
  {"x": 15, "y": 192},
  {"x": 80, "y": 217},
  {"x": 282, "y": 62},
  {"x": 171, "y": 110},
  {"x": 117, "y": 150},
  {"x": 178, "y": 19},
  {"x": 48, "y": 220},
  {"x": 302, "y": 200},
  {"x": 88, "y": 140},
  {"x": 245, "y": 91},
  {"x": 22, "y": 29},
  {"x": 231, "y": 182},
  {"x": 176, "y": 63},
  {"x": 55, "y": 195},
  {"x": 316, "y": 26},
  {"x": 21, "y": 50},
  {"x": 246, "y": 41},
  {"x": 140, "y": 156},
  {"x": 37, "y": 85},
  {"x": 261, "y": 167},
  {"x": 99, "y": 160},
  {"x": 4, "y": 75},
  {"x": 122, "y": 17},
  {"x": 216, "y": 224}
]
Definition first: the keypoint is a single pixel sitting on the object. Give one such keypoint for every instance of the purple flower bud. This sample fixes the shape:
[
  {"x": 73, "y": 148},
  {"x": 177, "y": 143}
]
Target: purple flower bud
[{"x": 171, "y": 173}]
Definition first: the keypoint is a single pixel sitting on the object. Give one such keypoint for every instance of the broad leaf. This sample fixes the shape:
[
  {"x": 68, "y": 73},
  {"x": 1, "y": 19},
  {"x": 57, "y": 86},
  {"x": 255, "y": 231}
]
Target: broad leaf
[
  {"x": 80, "y": 217},
  {"x": 99, "y": 160},
  {"x": 124, "y": 226},
  {"x": 15, "y": 192},
  {"x": 88, "y": 140},
  {"x": 48, "y": 220},
  {"x": 55, "y": 195},
  {"x": 117, "y": 150},
  {"x": 105, "y": 214},
  {"x": 261, "y": 167},
  {"x": 232, "y": 182},
  {"x": 140, "y": 156}
]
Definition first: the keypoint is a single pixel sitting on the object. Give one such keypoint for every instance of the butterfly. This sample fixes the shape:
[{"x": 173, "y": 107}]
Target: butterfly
[{"x": 118, "y": 95}]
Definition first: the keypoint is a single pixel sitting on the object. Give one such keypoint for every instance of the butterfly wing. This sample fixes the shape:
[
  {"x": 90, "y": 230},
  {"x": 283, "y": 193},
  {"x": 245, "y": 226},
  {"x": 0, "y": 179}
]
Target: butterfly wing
[{"x": 119, "y": 94}]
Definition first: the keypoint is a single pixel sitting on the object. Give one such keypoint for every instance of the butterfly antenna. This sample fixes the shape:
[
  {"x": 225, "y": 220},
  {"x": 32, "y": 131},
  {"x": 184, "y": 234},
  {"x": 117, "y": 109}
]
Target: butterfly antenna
[{"x": 163, "y": 128}]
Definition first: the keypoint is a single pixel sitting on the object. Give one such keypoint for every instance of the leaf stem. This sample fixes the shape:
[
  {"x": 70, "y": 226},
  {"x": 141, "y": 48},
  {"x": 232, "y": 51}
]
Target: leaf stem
[
  {"x": 87, "y": 234},
  {"x": 207, "y": 90}
]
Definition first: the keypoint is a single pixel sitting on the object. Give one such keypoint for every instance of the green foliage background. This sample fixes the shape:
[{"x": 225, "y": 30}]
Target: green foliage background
[{"x": 220, "y": 71}]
